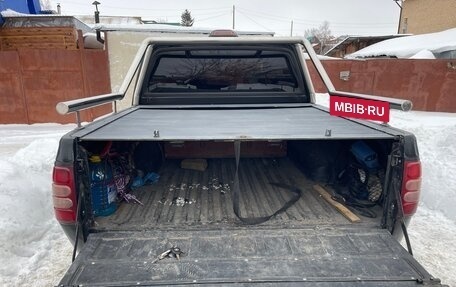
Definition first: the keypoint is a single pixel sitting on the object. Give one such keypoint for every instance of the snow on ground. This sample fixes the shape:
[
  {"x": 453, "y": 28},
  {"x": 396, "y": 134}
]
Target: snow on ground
[
  {"x": 408, "y": 46},
  {"x": 33, "y": 248},
  {"x": 35, "y": 252},
  {"x": 433, "y": 229}
]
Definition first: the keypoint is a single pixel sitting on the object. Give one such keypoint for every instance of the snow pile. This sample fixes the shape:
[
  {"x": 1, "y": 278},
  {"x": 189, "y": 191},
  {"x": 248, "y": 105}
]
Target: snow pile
[
  {"x": 432, "y": 237},
  {"x": 408, "y": 46},
  {"x": 423, "y": 54},
  {"x": 31, "y": 242},
  {"x": 436, "y": 135},
  {"x": 433, "y": 228}
]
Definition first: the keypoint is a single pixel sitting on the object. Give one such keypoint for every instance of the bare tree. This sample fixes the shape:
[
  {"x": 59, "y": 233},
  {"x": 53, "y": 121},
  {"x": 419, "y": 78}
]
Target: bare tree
[
  {"x": 218, "y": 73},
  {"x": 321, "y": 35}
]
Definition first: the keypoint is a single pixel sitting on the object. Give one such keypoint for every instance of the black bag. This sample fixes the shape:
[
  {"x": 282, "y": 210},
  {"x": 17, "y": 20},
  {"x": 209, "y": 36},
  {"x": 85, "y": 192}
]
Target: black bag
[
  {"x": 148, "y": 157},
  {"x": 361, "y": 183}
]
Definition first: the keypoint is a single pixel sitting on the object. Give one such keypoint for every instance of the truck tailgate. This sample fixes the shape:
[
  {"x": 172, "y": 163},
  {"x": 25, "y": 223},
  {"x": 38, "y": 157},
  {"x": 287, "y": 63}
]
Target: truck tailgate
[{"x": 307, "y": 256}]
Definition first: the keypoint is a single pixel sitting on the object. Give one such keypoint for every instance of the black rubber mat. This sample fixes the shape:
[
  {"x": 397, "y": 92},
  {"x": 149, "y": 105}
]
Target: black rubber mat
[{"x": 325, "y": 256}]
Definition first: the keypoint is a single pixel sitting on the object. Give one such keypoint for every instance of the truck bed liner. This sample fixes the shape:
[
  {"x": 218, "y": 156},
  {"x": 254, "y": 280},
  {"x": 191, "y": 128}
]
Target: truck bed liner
[
  {"x": 327, "y": 256},
  {"x": 192, "y": 199}
]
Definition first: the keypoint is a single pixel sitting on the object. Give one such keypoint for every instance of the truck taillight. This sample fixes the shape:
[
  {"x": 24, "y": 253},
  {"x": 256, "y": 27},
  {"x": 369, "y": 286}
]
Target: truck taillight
[
  {"x": 63, "y": 194},
  {"x": 411, "y": 186}
]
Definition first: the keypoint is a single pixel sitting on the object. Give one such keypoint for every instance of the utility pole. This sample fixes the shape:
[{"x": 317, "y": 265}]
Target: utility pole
[
  {"x": 291, "y": 31},
  {"x": 234, "y": 15}
]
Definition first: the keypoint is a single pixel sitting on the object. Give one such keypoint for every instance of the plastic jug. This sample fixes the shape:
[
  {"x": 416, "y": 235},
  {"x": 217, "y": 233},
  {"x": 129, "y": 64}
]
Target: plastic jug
[{"x": 102, "y": 186}]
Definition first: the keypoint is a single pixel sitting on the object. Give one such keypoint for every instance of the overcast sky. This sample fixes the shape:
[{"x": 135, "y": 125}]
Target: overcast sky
[{"x": 353, "y": 17}]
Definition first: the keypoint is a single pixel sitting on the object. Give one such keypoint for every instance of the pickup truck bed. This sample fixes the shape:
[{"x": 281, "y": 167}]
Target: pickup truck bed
[{"x": 188, "y": 199}]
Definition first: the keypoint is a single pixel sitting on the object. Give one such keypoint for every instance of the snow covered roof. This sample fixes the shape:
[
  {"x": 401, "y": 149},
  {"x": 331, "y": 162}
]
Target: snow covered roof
[
  {"x": 14, "y": 19},
  {"x": 165, "y": 28},
  {"x": 406, "y": 47},
  {"x": 106, "y": 19},
  {"x": 13, "y": 13},
  {"x": 349, "y": 39}
]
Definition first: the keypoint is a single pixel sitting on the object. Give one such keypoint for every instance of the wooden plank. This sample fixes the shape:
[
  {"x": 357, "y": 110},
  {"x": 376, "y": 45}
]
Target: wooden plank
[
  {"x": 337, "y": 205},
  {"x": 194, "y": 164},
  {"x": 39, "y": 38},
  {"x": 33, "y": 31},
  {"x": 37, "y": 43},
  {"x": 60, "y": 46}
]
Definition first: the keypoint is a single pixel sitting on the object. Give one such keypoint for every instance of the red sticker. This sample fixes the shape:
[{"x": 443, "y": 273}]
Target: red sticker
[{"x": 359, "y": 108}]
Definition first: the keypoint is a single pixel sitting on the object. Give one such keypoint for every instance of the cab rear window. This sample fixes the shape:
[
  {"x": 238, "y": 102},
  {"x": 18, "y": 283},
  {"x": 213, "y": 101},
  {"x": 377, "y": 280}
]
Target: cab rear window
[{"x": 222, "y": 71}]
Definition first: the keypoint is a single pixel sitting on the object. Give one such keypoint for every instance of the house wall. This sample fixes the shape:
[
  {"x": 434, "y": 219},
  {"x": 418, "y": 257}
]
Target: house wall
[
  {"x": 429, "y": 84},
  {"x": 427, "y": 16}
]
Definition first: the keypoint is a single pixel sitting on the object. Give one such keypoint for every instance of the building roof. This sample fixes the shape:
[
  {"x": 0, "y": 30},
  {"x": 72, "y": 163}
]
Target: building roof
[
  {"x": 348, "y": 40},
  {"x": 12, "y": 20},
  {"x": 165, "y": 28},
  {"x": 406, "y": 47},
  {"x": 106, "y": 19}
]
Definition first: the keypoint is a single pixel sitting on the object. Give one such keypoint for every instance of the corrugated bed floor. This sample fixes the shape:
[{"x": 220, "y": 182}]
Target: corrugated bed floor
[{"x": 191, "y": 199}]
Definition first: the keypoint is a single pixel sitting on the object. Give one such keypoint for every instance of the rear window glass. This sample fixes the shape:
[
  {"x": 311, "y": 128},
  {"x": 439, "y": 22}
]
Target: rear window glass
[{"x": 222, "y": 71}]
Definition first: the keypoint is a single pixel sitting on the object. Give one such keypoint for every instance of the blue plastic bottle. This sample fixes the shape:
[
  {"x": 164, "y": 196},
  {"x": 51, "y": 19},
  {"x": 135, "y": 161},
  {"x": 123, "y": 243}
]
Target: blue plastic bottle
[{"x": 102, "y": 187}]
